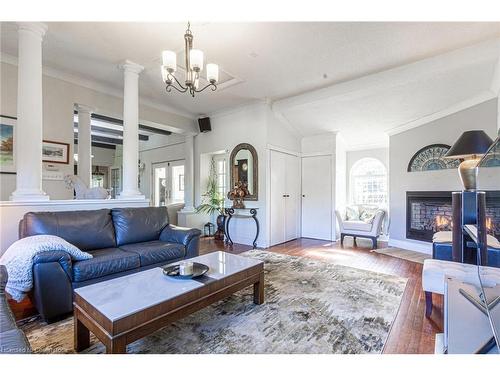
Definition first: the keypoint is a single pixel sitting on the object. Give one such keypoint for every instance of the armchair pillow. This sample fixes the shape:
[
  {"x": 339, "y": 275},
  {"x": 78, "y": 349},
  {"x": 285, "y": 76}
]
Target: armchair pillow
[
  {"x": 367, "y": 214},
  {"x": 352, "y": 213}
]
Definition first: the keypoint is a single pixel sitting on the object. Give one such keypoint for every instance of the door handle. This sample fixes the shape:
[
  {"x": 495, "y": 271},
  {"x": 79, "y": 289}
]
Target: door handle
[{"x": 303, "y": 195}]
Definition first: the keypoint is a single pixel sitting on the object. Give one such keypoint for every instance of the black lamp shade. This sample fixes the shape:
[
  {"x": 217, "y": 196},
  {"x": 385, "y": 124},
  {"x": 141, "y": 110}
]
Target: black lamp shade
[{"x": 472, "y": 142}]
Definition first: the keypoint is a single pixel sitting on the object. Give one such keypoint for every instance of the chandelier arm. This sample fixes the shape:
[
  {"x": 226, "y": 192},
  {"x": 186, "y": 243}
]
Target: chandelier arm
[
  {"x": 169, "y": 88},
  {"x": 180, "y": 85},
  {"x": 213, "y": 85}
]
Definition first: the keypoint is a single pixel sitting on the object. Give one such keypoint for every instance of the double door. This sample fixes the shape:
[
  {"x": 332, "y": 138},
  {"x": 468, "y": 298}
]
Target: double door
[
  {"x": 285, "y": 197},
  {"x": 168, "y": 182}
]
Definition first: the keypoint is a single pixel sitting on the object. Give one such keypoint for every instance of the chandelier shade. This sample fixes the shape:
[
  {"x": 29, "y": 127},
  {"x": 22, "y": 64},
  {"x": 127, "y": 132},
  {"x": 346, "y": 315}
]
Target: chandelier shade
[{"x": 194, "y": 61}]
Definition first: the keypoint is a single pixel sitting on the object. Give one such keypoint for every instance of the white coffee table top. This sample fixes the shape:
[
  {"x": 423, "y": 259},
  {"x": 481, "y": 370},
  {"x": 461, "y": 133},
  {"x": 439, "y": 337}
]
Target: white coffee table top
[{"x": 117, "y": 298}]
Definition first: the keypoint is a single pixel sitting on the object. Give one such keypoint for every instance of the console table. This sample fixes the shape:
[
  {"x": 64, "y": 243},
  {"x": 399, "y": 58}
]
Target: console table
[{"x": 250, "y": 213}]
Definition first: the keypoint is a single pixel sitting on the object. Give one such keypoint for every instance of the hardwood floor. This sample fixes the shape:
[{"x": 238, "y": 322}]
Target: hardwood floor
[{"x": 411, "y": 332}]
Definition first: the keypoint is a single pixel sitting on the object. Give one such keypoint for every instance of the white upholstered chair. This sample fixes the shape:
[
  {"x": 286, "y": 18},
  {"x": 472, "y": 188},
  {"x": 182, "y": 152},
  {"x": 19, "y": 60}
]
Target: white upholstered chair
[{"x": 368, "y": 228}]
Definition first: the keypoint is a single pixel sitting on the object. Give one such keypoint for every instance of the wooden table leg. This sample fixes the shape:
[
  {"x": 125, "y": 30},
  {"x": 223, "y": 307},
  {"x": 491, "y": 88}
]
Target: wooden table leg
[
  {"x": 258, "y": 290},
  {"x": 81, "y": 334},
  {"x": 117, "y": 346}
]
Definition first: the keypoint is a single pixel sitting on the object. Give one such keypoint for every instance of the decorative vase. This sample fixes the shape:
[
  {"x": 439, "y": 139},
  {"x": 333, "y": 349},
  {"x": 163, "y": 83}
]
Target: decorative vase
[{"x": 221, "y": 221}]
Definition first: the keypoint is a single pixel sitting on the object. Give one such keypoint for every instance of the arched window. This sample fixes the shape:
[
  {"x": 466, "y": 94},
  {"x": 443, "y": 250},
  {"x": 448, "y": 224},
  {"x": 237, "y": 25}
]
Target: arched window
[{"x": 368, "y": 182}]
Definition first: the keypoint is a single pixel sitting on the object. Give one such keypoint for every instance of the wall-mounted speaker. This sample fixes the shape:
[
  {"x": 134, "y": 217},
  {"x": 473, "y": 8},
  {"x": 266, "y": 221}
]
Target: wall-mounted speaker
[{"x": 204, "y": 124}]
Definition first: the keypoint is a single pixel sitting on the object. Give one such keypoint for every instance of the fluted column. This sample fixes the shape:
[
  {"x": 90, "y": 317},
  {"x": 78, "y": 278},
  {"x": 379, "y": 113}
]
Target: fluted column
[
  {"x": 84, "y": 143},
  {"x": 131, "y": 130},
  {"x": 28, "y": 131},
  {"x": 189, "y": 174}
]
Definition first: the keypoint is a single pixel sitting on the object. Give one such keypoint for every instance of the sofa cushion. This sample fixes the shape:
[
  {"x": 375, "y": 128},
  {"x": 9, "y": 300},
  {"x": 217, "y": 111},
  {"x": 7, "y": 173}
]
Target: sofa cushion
[
  {"x": 155, "y": 251},
  {"x": 104, "y": 262},
  {"x": 87, "y": 230},
  {"x": 357, "y": 225},
  {"x": 133, "y": 225}
]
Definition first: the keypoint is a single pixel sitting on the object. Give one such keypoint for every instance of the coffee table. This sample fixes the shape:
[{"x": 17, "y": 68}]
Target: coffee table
[{"x": 125, "y": 309}]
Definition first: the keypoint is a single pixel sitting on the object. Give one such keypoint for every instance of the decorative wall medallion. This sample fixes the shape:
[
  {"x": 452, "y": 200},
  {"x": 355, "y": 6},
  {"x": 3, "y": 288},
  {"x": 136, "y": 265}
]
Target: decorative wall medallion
[{"x": 430, "y": 158}]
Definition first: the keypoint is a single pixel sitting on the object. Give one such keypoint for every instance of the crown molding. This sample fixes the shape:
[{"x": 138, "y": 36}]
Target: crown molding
[
  {"x": 465, "y": 104},
  {"x": 97, "y": 86}
]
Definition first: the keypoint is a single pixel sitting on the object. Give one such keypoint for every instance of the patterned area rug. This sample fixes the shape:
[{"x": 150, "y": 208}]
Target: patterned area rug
[
  {"x": 412, "y": 256},
  {"x": 311, "y": 307}
]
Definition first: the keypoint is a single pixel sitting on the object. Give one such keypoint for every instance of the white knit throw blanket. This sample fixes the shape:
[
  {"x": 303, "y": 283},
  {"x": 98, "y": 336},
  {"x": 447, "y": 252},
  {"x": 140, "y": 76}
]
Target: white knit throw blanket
[{"x": 19, "y": 260}]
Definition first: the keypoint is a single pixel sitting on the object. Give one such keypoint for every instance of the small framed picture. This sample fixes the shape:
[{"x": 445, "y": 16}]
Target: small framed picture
[
  {"x": 55, "y": 152},
  {"x": 7, "y": 145}
]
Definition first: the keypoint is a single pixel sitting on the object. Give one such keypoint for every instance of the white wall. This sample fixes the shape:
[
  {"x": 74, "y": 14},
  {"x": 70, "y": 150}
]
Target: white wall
[
  {"x": 404, "y": 145},
  {"x": 340, "y": 173},
  {"x": 243, "y": 125},
  {"x": 59, "y": 98},
  {"x": 254, "y": 124},
  {"x": 280, "y": 134}
]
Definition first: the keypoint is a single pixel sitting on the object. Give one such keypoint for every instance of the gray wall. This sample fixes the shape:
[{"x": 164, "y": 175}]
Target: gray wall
[{"x": 445, "y": 130}]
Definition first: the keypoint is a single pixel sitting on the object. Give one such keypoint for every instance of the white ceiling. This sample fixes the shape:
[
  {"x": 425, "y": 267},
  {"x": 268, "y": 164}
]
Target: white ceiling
[{"x": 276, "y": 61}]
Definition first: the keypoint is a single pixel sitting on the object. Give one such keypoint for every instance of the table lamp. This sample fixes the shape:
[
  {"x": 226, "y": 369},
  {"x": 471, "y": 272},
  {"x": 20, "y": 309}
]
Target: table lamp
[{"x": 470, "y": 146}]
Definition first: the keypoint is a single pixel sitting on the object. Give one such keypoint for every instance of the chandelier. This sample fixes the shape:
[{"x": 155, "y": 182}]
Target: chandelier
[{"x": 193, "y": 59}]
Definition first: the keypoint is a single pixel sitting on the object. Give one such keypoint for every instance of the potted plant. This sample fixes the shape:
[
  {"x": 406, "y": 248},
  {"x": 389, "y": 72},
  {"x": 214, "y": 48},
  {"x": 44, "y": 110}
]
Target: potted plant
[{"x": 212, "y": 202}]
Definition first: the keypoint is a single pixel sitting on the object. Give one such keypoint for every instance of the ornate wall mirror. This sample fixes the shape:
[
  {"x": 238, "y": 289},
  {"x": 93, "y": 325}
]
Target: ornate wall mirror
[{"x": 244, "y": 168}]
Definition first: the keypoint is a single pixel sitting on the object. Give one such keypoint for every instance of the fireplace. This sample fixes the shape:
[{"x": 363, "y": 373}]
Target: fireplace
[{"x": 428, "y": 212}]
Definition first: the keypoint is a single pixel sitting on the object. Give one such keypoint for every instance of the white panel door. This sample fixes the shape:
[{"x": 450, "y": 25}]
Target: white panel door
[
  {"x": 317, "y": 197},
  {"x": 292, "y": 199},
  {"x": 277, "y": 203}
]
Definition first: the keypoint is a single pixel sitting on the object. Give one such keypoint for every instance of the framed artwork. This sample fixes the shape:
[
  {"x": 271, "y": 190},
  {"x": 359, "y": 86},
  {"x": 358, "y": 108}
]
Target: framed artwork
[
  {"x": 431, "y": 158},
  {"x": 7, "y": 144},
  {"x": 55, "y": 152}
]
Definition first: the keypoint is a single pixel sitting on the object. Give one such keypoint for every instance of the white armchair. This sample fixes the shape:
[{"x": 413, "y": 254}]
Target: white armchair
[{"x": 369, "y": 225}]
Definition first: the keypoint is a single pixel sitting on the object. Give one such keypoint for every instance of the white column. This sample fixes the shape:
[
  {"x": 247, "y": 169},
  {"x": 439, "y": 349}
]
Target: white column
[
  {"x": 84, "y": 143},
  {"x": 131, "y": 131},
  {"x": 189, "y": 174},
  {"x": 28, "y": 131}
]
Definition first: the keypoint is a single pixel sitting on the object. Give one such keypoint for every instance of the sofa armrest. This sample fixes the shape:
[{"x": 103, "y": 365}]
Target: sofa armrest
[
  {"x": 52, "y": 276},
  {"x": 56, "y": 256},
  {"x": 189, "y": 237}
]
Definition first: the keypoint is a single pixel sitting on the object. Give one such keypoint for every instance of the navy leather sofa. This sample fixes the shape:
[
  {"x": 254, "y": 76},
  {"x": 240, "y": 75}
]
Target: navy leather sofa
[
  {"x": 12, "y": 339},
  {"x": 121, "y": 240}
]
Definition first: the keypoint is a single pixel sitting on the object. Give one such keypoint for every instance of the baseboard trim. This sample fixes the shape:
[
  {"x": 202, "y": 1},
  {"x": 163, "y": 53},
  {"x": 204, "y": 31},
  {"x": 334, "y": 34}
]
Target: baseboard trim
[{"x": 421, "y": 247}]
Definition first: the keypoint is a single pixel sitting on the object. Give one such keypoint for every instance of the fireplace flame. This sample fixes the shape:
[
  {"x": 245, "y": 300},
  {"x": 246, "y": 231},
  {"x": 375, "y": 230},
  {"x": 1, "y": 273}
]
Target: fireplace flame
[
  {"x": 442, "y": 221},
  {"x": 489, "y": 223}
]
